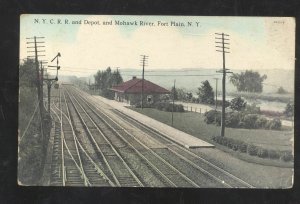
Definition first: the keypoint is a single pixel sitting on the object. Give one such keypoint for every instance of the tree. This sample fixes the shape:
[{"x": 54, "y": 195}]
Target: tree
[
  {"x": 281, "y": 90},
  {"x": 238, "y": 104},
  {"x": 174, "y": 93},
  {"x": 104, "y": 80},
  {"x": 248, "y": 81},
  {"x": 30, "y": 154},
  {"x": 189, "y": 96},
  {"x": 205, "y": 93},
  {"x": 289, "y": 110}
]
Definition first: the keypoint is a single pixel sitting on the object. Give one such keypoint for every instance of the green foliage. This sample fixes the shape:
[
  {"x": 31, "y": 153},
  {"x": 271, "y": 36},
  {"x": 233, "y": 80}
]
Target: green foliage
[
  {"x": 212, "y": 117},
  {"x": 253, "y": 150},
  {"x": 174, "y": 93},
  {"x": 261, "y": 122},
  {"x": 205, "y": 93},
  {"x": 273, "y": 154},
  {"x": 242, "y": 147},
  {"x": 189, "y": 96},
  {"x": 104, "y": 80},
  {"x": 248, "y": 81},
  {"x": 238, "y": 104},
  {"x": 289, "y": 110},
  {"x": 250, "y": 121},
  {"x": 27, "y": 74},
  {"x": 237, "y": 119},
  {"x": 274, "y": 124},
  {"x": 252, "y": 109},
  {"x": 233, "y": 119},
  {"x": 262, "y": 153},
  {"x": 30, "y": 148},
  {"x": 281, "y": 90},
  {"x": 287, "y": 156}
]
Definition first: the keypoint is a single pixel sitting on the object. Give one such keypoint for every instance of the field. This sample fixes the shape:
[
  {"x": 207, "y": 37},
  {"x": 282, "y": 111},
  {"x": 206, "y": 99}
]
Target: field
[{"x": 193, "y": 123}]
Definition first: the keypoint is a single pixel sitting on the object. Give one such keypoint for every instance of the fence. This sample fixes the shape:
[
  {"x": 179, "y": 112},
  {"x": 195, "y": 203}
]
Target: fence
[{"x": 195, "y": 109}]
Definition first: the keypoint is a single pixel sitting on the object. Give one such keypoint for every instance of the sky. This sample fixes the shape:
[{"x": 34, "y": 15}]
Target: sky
[{"x": 255, "y": 43}]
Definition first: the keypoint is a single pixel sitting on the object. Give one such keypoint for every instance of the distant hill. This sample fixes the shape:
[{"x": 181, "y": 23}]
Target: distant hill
[{"x": 191, "y": 78}]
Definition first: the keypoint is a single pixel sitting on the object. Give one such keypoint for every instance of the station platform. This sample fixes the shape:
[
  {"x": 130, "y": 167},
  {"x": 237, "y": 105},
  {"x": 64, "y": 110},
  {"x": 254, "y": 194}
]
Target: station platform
[{"x": 175, "y": 135}]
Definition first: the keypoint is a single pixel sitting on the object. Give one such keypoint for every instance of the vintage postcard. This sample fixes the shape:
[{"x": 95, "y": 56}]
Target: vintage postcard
[{"x": 156, "y": 101}]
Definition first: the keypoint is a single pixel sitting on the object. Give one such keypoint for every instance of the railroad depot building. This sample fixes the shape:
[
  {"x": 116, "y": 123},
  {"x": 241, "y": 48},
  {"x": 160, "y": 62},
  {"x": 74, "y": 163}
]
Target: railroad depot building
[{"x": 130, "y": 91}]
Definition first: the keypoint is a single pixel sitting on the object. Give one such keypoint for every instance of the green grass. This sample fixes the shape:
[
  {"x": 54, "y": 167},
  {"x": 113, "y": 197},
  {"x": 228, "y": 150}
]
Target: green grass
[{"x": 193, "y": 124}]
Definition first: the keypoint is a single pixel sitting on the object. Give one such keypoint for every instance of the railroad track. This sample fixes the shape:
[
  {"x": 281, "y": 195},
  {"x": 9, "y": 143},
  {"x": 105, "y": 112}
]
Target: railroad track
[
  {"x": 71, "y": 165},
  {"x": 176, "y": 169},
  {"x": 188, "y": 155},
  {"x": 112, "y": 163}
]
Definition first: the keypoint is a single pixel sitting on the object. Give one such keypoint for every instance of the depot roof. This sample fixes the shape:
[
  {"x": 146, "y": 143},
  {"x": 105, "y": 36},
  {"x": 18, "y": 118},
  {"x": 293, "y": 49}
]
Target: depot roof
[{"x": 135, "y": 86}]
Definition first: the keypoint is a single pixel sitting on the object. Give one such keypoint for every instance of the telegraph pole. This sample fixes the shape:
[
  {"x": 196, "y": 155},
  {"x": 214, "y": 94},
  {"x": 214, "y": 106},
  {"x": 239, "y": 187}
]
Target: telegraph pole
[
  {"x": 38, "y": 75},
  {"x": 173, "y": 100},
  {"x": 224, "y": 49},
  {"x": 42, "y": 62},
  {"x": 143, "y": 64},
  {"x": 216, "y": 103}
]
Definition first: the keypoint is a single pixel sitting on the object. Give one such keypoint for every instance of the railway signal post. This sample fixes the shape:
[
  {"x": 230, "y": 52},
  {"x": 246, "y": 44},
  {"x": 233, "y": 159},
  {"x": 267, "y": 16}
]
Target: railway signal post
[{"x": 50, "y": 81}]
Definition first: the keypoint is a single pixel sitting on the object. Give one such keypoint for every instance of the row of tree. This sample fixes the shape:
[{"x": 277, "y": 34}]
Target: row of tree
[{"x": 104, "y": 80}]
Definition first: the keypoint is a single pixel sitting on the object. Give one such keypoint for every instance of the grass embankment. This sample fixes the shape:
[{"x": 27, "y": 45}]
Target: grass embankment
[
  {"x": 193, "y": 124},
  {"x": 31, "y": 151}
]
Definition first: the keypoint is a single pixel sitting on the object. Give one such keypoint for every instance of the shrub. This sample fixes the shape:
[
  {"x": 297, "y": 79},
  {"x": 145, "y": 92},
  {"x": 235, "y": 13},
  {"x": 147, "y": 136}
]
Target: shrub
[
  {"x": 289, "y": 110},
  {"x": 213, "y": 117},
  {"x": 273, "y": 154},
  {"x": 233, "y": 119},
  {"x": 252, "y": 109},
  {"x": 250, "y": 120},
  {"x": 262, "y": 153},
  {"x": 238, "y": 104},
  {"x": 242, "y": 147},
  {"x": 235, "y": 145},
  {"x": 178, "y": 108},
  {"x": 261, "y": 122},
  {"x": 252, "y": 150},
  {"x": 287, "y": 156},
  {"x": 274, "y": 124},
  {"x": 230, "y": 142}
]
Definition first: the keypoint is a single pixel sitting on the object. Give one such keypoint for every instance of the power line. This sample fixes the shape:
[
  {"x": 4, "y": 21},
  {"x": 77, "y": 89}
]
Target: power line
[
  {"x": 143, "y": 64},
  {"x": 222, "y": 44},
  {"x": 37, "y": 45}
]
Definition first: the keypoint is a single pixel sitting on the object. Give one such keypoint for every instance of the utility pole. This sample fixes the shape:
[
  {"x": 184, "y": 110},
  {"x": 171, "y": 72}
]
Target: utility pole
[
  {"x": 216, "y": 103},
  {"x": 37, "y": 44},
  {"x": 143, "y": 64},
  {"x": 222, "y": 44},
  {"x": 173, "y": 100},
  {"x": 42, "y": 62}
]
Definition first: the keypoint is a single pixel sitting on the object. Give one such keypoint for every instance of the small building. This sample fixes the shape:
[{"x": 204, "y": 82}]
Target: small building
[{"x": 130, "y": 91}]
